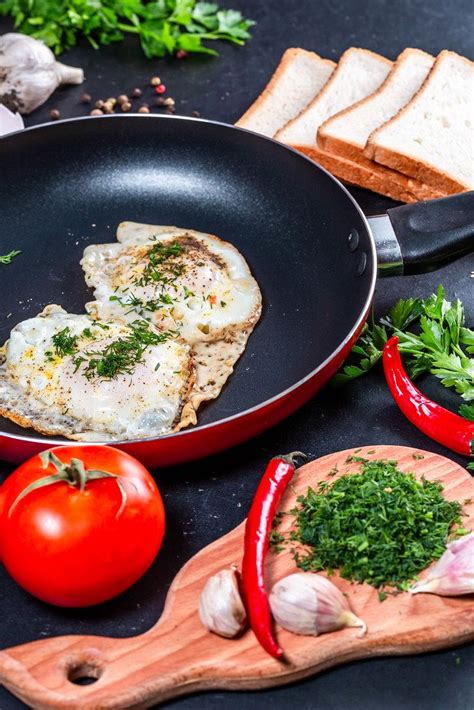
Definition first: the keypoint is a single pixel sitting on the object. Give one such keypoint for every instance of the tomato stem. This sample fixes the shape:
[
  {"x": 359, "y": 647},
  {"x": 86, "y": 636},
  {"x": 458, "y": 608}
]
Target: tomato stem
[{"x": 74, "y": 474}]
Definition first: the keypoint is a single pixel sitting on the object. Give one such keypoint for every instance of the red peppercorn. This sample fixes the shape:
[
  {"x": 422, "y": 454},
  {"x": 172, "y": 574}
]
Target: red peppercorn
[
  {"x": 54, "y": 114},
  {"x": 160, "y": 89},
  {"x": 181, "y": 54}
]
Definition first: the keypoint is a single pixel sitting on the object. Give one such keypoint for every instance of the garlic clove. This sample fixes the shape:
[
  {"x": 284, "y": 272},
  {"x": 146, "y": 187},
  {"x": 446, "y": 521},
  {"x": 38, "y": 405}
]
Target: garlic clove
[
  {"x": 453, "y": 574},
  {"x": 221, "y": 609},
  {"x": 309, "y": 604}
]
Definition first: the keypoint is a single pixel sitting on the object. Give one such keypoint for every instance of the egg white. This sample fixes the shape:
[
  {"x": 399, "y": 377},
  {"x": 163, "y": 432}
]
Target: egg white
[
  {"x": 215, "y": 294},
  {"x": 40, "y": 388},
  {"x": 214, "y": 303}
]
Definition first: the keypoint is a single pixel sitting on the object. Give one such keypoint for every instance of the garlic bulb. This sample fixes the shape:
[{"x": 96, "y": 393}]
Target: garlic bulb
[
  {"x": 221, "y": 609},
  {"x": 308, "y": 604},
  {"x": 453, "y": 573},
  {"x": 29, "y": 72}
]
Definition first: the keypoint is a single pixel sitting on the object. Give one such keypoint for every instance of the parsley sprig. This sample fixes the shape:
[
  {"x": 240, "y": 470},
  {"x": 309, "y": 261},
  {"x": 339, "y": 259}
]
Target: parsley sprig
[
  {"x": 163, "y": 26},
  {"x": 8, "y": 258},
  {"x": 433, "y": 339},
  {"x": 378, "y": 525}
]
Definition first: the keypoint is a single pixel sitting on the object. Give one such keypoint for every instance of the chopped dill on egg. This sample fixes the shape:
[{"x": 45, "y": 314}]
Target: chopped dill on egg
[
  {"x": 122, "y": 355},
  {"x": 161, "y": 264},
  {"x": 64, "y": 343}
]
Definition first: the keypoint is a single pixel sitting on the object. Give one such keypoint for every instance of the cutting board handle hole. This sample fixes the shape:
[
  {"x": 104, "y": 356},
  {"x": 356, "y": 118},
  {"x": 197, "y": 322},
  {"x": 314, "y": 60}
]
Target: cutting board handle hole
[{"x": 84, "y": 673}]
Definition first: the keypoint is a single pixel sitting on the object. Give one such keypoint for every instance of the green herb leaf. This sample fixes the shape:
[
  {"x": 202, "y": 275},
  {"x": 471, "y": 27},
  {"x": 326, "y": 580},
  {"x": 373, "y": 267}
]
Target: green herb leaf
[
  {"x": 467, "y": 411},
  {"x": 432, "y": 339},
  {"x": 8, "y": 258},
  {"x": 162, "y": 26}
]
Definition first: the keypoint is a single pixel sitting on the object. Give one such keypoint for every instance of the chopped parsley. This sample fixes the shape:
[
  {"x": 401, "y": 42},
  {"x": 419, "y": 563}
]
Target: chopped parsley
[
  {"x": 162, "y": 270},
  {"x": 161, "y": 266},
  {"x": 64, "y": 343},
  {"x": 8, "y": 258},
  {"x": 379, "y": 526},
  {"x": 122, "y": 355}
]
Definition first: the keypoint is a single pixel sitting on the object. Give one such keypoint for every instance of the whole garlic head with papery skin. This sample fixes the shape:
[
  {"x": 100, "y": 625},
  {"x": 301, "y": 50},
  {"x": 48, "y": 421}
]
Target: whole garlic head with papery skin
[
  {"x": 29, "y": 72},
  {"x": 309, "y": 604}
]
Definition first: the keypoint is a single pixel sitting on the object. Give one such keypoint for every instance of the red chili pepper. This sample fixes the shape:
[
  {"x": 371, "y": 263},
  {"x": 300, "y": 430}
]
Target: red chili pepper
[
  {"x": 257, "y": 532},
  {"x": 160, "y": 89},
  {"x": 438, "y": 423}
]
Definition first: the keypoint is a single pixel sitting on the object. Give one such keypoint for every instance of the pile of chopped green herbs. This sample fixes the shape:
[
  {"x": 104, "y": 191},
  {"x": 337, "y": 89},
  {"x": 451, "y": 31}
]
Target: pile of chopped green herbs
[
  {"x": 379, "y": 526},
  {"x": 433, "y": 339},
  {"x": 162, "y": 26}
]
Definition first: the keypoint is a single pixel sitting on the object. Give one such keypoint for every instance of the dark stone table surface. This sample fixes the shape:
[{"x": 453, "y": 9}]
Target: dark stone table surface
[{"x": 208, "y": 498}]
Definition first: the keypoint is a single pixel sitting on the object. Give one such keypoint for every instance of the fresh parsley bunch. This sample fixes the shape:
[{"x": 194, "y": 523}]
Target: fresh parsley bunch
[
  {"x": 432, "y": 338},
  {"x": 163, "y": 26}
]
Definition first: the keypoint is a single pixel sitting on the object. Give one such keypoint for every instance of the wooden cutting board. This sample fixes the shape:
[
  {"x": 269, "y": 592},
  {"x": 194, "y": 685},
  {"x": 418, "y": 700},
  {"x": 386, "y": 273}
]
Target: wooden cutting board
[{"x": 178, "y": 655}]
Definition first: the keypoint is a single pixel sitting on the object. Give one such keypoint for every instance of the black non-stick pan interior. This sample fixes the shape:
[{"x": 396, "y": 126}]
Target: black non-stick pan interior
[{"x": 69, "y": 184}]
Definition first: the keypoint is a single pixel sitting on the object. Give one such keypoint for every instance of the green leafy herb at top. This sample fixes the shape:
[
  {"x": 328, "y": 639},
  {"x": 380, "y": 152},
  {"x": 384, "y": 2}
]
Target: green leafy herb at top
[
  {"x": 162, "y": 26},
  {"x": 121, "y": 355},
  {"x": 432, "y": 338},
  {"x": 378, "y": 525},
  {"x": 8, "y": 258}
]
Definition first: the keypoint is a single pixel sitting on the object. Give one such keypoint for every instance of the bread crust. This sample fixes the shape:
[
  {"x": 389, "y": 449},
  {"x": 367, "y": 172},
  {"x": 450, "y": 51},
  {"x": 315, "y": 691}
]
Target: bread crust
[
  {"x": 285, "y": 60},
  {"x": 420, "y": 190},
  {"x": 359, "y": 176},
  {"x": 406, "y": 163}
]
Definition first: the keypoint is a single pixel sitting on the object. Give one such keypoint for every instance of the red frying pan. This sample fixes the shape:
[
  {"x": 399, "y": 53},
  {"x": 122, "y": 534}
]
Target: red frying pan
[{"x": 308, "y": 244}]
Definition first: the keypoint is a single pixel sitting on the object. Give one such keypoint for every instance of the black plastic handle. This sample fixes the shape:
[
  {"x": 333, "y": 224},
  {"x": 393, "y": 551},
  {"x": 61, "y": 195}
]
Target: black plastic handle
[{"x": 433, "y": 233}]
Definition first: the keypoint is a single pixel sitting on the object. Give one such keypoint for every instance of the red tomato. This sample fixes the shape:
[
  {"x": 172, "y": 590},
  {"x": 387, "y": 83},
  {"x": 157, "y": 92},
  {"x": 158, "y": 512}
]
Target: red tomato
[{"x": 75, "y": 548}]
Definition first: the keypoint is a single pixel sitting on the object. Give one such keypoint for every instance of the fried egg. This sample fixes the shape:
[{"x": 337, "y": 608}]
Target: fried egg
[
  {"x": 95, "y": 380},
  {"x": 178, "y": 279}
]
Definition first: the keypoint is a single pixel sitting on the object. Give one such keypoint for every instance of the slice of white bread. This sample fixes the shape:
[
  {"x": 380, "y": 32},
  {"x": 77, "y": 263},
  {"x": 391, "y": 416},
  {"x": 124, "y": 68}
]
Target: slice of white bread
[
  {"x": 358, "y": 74},
  {"x": 432, "y": 137},
  {"x": 299, "y": 76},
  {"x": 346, "y": 133}
]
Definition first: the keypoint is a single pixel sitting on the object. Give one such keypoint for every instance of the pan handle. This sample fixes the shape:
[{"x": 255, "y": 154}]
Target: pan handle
[{"x": 421, "y": 237}]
